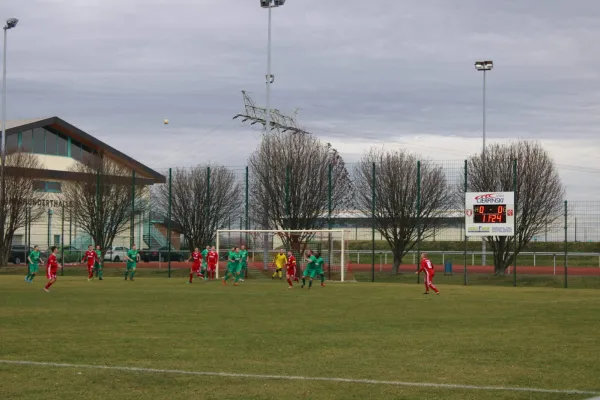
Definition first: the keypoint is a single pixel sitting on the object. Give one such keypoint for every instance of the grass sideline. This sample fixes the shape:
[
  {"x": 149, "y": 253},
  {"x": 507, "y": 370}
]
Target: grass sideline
[
  {"x": 457, "y": 278},
  {"x": 482, "y": 336}
]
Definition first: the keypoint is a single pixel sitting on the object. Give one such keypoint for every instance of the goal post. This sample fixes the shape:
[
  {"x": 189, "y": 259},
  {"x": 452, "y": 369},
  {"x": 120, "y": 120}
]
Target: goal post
[{"x": 298, "y": 241}]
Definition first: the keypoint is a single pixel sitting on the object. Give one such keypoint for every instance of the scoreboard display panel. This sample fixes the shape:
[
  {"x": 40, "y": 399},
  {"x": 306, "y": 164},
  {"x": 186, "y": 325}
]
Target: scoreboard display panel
[{"x": 489, "y": 213}]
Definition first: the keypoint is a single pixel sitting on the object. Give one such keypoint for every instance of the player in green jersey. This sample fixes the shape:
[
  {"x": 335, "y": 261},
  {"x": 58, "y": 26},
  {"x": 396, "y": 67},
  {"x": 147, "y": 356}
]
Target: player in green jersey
[
  {"x": 98, "y": 264},
  {"x": 234, "y": 267},
  {"x": 311, "y": 268},
  {"x": 230, "y": 268},
  {"x": 132, "y": 258},
  {"x": 244, "y": 262},
  {"x": 33, "y": 259},
  {"x": 205, "y": 262},
  {"x": 319, "y": 268}
]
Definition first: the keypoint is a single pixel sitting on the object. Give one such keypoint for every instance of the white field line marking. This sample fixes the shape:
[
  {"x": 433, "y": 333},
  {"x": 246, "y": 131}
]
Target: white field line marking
[{"x": 299, "y": 378}]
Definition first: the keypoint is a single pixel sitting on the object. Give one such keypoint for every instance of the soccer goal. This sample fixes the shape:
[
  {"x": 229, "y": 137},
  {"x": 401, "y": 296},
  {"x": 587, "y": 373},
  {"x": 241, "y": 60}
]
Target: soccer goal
[{"x": 263, "y": 245}]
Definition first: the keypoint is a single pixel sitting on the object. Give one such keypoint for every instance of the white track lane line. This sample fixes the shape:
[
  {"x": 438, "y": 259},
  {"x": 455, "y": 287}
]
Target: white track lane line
[{"x": 300, "y": 378}]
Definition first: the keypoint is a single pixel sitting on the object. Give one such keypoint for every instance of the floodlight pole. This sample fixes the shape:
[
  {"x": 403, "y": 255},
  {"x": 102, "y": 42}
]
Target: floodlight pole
[
  {"x": 270, "y": 80},
  {"x": 11, "y": 23},
  {"x": 483, "y": 242},
  {"x": 484, "y": 66},
  {"x": 268, "y": 152}
]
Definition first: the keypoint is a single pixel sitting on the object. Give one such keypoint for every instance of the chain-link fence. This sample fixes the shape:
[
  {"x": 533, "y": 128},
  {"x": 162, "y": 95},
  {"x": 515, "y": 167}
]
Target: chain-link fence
[{"x": 389, "y": 218}]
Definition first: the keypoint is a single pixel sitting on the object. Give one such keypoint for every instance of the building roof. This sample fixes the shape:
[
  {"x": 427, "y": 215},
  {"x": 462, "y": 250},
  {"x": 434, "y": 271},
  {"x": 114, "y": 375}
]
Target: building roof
[{"x": 15, "y": 126}]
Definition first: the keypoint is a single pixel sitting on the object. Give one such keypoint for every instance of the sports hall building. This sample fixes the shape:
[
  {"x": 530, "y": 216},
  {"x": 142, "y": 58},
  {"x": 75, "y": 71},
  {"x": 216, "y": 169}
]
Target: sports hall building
[{"x": 59, "y": 146}]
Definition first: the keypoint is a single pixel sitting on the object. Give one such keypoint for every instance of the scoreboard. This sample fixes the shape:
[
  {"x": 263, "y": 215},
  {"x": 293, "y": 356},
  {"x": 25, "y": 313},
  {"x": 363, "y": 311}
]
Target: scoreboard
[{"x": 490, "y": 214}]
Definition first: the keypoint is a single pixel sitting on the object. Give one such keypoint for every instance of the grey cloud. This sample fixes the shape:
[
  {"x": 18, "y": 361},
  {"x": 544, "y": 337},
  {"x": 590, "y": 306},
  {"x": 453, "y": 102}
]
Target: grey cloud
[{"x": 365, "y": 71}]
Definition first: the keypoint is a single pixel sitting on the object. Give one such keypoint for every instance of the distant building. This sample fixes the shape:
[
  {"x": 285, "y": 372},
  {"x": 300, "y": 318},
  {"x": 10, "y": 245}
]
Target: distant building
[{"x": 59, "y": 145}]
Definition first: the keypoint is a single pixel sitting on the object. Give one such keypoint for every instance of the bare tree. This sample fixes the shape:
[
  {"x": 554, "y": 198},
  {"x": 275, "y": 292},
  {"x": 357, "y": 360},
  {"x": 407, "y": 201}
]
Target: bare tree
[
  {"x": 199, "y": 208},
  {"x": 290, "y": 174},
  {"x": 397, "y": 215},
  {"x": 19, "y": 195},
  {"x": 102, "y": 200},
  {"x": 539, "y": 195}
]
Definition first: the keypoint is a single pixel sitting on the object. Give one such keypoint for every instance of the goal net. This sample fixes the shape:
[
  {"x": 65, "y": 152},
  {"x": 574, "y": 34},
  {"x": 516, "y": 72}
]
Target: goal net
[{"x": 263, "y": 245}]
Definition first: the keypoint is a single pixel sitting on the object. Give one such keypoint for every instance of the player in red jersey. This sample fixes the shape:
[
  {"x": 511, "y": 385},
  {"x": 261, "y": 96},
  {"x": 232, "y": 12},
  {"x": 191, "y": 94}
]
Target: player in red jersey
[
  {"x": 197, "y": 257},
  {"x": 290, "y": 272},
  {"x": 91, "y": 256},
  {"x": 213, "y": 259},
  {"x": 52, "y": 267},
  {"x": 427, "y": 267}
]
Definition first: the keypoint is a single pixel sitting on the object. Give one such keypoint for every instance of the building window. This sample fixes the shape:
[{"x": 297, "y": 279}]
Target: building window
[
  {"x": 26, "y": 141},
  {"x": 12, "y": 143},
  {"x": 39, "y": 141},
  {"x": 48, "y": 187},
  {"x": 61, "y": 145},
  {"x": 51, "y": 140},
  {"x": 75, "y": 150}
]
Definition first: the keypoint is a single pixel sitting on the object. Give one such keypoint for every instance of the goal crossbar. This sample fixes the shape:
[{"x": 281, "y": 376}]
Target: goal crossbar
[{"x": 284, "y": 231}]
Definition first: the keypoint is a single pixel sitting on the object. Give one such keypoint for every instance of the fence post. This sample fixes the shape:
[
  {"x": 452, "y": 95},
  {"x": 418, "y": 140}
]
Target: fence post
[
  {"x": 29, "y": 233},
  {"x": 566, "y": 242},
  {"x": 287, "y": 199},
  {"x": 418, "y": 218},
  {"x": 62, "y": 236},
  {"x": 169, "y": 223},
  {"x": 207, "y": 204},
  {"x": 515, "y": 237},
  {"x": 465, "y": 224},
  {"x": 26, "y": 233},
  {"x": 132, "y": 227},
  {"x": 329, "y": 211},
  {"x": 98, "y": 239},
  {"x": 373, "y": 193},
  {"x": 247, "y": 220}
]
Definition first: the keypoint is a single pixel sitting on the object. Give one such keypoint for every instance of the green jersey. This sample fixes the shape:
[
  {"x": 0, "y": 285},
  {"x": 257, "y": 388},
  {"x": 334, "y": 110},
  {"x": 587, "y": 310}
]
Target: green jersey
[
  {"x": 34, "y": 256},
  {"x": 99, "y": 254},
  {"x": 319, "y": 263},
  {"x": 230, "y": 257},
  {"x": 204, "y": 254},
  {"x": 132, "y": 254},
  {"x": 244, "y": 255},
  {"x": 237, "y": 257},
  {"x": 312, "y": 262}
]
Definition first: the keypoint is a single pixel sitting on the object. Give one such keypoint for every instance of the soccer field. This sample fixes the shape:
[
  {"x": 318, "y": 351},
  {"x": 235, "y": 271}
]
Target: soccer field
[{"x": 263, "y": 341}]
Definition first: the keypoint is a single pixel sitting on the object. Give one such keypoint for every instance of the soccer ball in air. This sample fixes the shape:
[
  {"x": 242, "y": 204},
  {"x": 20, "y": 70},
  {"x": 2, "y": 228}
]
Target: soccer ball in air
[{"x": 166, "y": 121}]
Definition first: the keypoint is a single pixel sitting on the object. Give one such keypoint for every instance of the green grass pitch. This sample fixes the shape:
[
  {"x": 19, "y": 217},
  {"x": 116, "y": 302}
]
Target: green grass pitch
[{"x": 482, "y": 336}]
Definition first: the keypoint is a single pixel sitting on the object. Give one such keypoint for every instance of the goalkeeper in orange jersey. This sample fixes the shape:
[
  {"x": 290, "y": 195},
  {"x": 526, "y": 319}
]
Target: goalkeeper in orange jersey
[{"x": 279, "y": 261}]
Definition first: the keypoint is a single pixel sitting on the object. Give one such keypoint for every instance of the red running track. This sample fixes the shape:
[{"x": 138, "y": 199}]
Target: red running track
[{"x": 405, "y": 268}]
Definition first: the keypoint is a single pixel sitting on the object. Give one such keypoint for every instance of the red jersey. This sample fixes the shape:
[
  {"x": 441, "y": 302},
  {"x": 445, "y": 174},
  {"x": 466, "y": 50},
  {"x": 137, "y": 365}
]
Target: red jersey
[
  {"x": 212, "y": 258},
  {"x": 196, "y": 257},
  {"x": 427, "y": 266},
  {"x": 52, "y": 262},
  {"x": 291, "y": 265},
  {"x": 91, "y": 257}
]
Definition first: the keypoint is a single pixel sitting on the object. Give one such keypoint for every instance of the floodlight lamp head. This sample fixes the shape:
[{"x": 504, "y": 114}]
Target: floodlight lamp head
[
  {"x": 484, "y": 65},
  {"x": 11, "y": 23},
  {"x": 271, "y": 3}
]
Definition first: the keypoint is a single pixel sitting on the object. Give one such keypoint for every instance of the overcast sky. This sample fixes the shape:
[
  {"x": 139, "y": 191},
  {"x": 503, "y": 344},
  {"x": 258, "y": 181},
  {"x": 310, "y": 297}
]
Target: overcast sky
[{"x": 361, "y": 73}]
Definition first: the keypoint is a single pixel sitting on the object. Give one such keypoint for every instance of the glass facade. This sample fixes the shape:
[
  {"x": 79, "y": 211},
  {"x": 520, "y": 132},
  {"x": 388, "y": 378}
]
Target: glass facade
[
  {"x": 39, "y": 141},
  {"x": 47, "y": 141},
  {"x": 12, "y": 143}
]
